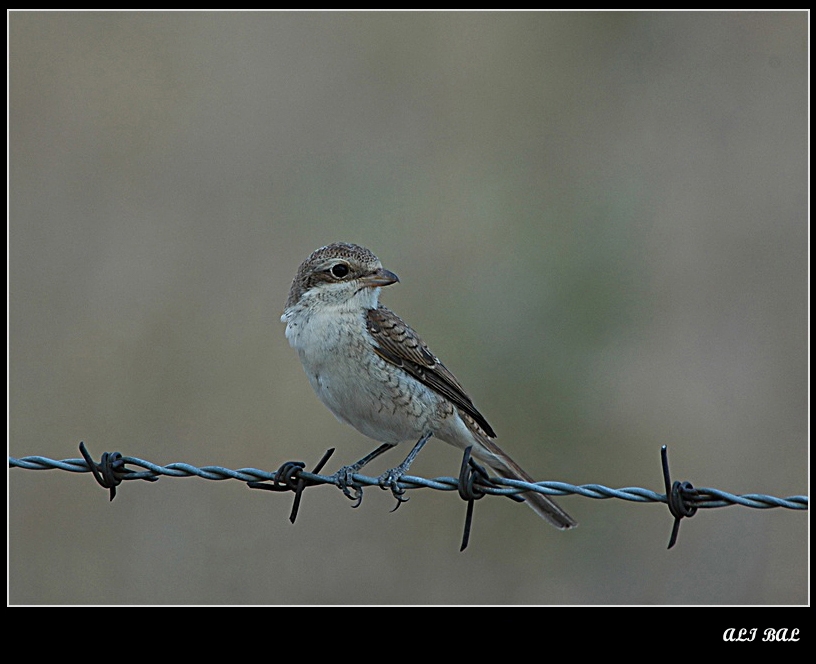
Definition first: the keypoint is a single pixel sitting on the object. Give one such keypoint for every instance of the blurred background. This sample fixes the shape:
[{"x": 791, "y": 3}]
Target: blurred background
[{"x": 600, "y": 225}]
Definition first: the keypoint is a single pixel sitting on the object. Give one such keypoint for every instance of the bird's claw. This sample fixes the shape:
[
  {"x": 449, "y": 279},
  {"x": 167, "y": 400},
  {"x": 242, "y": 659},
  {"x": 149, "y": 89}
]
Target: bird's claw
[
  {"x": 344, "y": 479},
  {"x": 390, "y": 480}
]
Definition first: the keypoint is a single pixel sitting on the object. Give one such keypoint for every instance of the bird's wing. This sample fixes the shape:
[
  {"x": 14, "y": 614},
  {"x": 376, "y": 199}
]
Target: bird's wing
[{"x": 397, "y": 343}]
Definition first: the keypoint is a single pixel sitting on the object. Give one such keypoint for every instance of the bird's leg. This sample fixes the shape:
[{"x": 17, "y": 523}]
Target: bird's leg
[
  {"x": 390, "y": 478},
  {"x": 344, "y": 478}
]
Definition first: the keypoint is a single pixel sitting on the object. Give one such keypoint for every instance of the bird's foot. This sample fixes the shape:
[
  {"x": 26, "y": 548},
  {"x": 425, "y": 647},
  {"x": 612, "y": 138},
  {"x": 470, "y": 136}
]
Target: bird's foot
[
  {"x": 390, "y": 480},
  {"x": 344, "y": 479}
]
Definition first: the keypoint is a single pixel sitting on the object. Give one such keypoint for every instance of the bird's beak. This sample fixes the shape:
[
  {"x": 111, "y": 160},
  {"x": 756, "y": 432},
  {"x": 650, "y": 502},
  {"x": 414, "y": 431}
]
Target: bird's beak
[{"x": 380, "y": 277}]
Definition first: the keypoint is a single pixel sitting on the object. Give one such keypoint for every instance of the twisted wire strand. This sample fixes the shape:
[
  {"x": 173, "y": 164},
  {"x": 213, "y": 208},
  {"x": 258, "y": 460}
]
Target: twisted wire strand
[{"x": 706, "y": 498}]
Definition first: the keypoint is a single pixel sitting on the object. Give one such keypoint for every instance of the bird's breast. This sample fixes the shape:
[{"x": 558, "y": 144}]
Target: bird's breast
[{"x": 362, "y": 389}]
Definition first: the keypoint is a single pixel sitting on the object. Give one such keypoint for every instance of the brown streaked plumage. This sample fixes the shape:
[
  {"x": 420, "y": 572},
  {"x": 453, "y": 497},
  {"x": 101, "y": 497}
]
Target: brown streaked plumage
[{"x": 396, "y": 342}]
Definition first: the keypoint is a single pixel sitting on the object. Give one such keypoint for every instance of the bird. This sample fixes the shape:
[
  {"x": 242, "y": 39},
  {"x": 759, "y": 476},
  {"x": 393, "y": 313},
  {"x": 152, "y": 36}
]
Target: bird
[{"x": 375, "y": 373}]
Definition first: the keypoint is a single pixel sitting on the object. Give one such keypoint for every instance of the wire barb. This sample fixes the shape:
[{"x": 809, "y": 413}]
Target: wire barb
[
  {"x": 469, "y": 474},
  {"x": 473, "y": 479},
  {"x": 110, "y": 471},
  {"x": 288, "y": 478},
  {"x": 678, "y": 497}
]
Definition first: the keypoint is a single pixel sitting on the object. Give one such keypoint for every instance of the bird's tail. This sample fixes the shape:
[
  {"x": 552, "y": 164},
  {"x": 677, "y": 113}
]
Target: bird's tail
[{"x": 545, "y": 507}]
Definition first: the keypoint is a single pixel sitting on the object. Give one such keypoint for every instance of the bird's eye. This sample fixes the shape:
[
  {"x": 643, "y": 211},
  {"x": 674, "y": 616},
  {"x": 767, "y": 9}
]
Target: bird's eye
[{"x": 340, "y": 270}]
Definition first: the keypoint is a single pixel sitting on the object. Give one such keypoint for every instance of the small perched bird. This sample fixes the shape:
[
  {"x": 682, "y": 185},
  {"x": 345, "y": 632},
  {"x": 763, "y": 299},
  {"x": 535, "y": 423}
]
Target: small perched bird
[{"x": 374, "y": 372}]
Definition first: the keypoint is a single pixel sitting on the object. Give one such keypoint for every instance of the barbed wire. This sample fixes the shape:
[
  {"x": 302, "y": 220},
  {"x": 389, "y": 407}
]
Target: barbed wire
[{"x": 473, "y": 483}]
